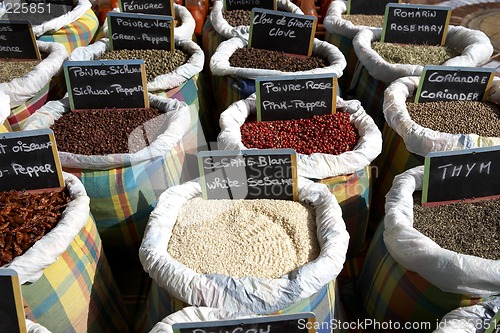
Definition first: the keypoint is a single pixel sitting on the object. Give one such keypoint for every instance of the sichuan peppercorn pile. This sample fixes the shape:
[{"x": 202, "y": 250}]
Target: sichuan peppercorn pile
[{"x": 329, "y": 134}]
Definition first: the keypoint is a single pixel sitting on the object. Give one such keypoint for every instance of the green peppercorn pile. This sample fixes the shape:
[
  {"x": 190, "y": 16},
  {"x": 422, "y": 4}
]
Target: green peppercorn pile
[
  {"x": 112, "y": 131},
  {"x": 157, "y": 62},
  {"x": 329, "y": 134}
]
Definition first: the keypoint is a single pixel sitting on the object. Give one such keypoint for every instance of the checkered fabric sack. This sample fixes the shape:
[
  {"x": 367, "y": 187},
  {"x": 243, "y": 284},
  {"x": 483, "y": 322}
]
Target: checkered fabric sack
[
  {"x": 30, "y": 91},
  {"x": 66, "y": 282},
  {"x": 80, "y": 32},
  {"x": 124, "y": 188},
  {"x": 308, "y": 288},
  {"x": 375, "y": 74},
  {"x": 340, "y": 33},
  {"x": 347, "y": 175},
  {"x": 232, "y": 84},
  {"x": 407, "y": 277}
]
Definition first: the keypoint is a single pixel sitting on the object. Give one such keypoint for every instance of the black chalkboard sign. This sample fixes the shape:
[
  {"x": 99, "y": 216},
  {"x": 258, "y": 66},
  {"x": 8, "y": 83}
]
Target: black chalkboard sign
[
  {"x": 415, "y": 24},
  {"x": 11, "y": 307},
  {"x": 36, "y": 11},
  {"x": 140, "y": 31},
  {"x": 368, "y": 7},
  {"x": 282, "y": 31},
  {"x": 445, "y": 83},
  {"x": 461, "y": 174},
  {"x": 295, "y": 97},
  {"x": 249, "y": 4},
  {"x": 249, "y": 174},
  {"x": 293, "y": 323},
  {"x": 157, "y": 7},
  {"x": 106, "y": 83},
  {"x": 29, "y": 161},
  {"x": 17, "y": 40}
]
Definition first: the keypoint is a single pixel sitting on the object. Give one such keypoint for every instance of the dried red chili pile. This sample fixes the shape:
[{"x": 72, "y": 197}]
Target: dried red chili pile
[
  {"x": 25, "y": 218},
  {"x": 329, "y": 134}
]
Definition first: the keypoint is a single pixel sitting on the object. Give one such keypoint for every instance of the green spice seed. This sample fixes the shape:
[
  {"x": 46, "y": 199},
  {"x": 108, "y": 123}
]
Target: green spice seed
[
  {"x": 10, "y": 70},
  {"x": 366, "y": 20},
  {"x": 469, "y": 228},
  {"x": 157, "y": 62},
  {"x": 413, "y": 54},
  {"x": 458, "y": 117}
]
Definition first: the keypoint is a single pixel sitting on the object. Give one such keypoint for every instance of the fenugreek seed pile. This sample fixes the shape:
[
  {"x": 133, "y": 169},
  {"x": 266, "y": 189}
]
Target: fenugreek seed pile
[
  {"x": 458, "y": 117},
  {"x": 10, "y": 70},
  {"x": 108, "y": 131},
  {"x": 366, "y": 20},
  {"x": 157, "y": 62},
  {"x": 467, "y": 228},
  {"x": 249, "y": 57},
  {"x": 413, "y": 54},
  {"x": 237, "y": 17},
  {"x": 261, "y": 238}
]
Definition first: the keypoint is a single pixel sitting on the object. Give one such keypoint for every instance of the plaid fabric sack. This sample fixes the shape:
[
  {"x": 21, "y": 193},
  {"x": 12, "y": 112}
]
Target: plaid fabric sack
[
  {"x": 30, "y": 91},
  {"x": 124, "y": 188},
  {"x": 406, "y": 143},
  {"x": 231, "y": 84},
  {"x": 324, "y": 303},
  {"x": 375, "y": 74},
  {"x": 79, "y": 32},
  {"x": 347, "y": 176},
  {"x": 310, "y": 287},
  {"x": 4, "y": 113},
  {"x": 407, "y": 277},
  {"x": 66, "y": 282},
  {"x": 340, "y": 32},
  {"x": 72, "y": 27}
]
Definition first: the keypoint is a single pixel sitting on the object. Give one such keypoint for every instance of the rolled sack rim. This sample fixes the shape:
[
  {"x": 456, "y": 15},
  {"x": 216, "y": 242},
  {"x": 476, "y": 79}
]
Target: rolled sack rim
[
  {"x": 220, "y": 66},
  {"x": 47, "y": 250},
  {"x": 448, "y": 270},
  {"x": 316, "y": 165},
  {"x": 248, "y": 294},
  {"x": 179, "y": 120},
  {"x": 422, "y": 140},
  {"x": 473, "y": 45},
  {"x": 21, "y": 89}
]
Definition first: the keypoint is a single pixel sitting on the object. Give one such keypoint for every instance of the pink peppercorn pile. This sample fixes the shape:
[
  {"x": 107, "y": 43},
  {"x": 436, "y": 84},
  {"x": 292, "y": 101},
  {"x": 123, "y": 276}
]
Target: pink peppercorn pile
[{"x": 329, "y": 134}]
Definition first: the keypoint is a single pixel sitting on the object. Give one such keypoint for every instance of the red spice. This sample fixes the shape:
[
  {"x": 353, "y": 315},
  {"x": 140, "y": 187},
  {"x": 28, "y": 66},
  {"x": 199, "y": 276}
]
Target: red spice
[{"x": 329, "y": 134}]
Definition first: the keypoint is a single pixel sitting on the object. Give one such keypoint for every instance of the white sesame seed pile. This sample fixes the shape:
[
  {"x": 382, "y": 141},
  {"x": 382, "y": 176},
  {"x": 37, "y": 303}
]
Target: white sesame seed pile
[{"x": 261, "y": 238}]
